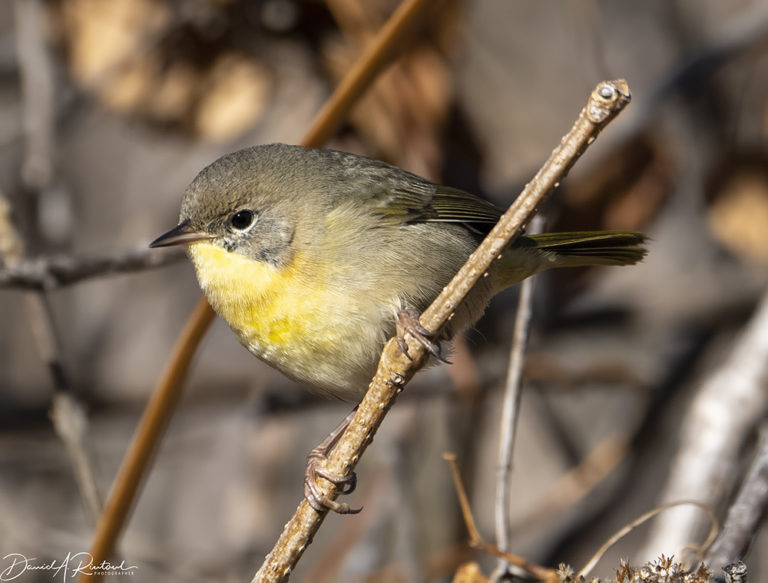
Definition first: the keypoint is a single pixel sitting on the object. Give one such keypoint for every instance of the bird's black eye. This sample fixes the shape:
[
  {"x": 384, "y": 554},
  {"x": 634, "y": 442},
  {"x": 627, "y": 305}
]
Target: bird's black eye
[{"x": 241, "y": 220}]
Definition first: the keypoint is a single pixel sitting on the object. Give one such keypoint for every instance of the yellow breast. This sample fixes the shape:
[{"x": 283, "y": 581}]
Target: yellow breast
[
  {"x": 272, "y": 309},
  {"x": 294, "y": 318}
]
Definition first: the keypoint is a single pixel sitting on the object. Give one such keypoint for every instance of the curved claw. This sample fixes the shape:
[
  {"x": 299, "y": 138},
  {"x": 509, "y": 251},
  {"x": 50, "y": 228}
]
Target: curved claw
[
  {"x": 320, "y": 501},
  {"x": 408, "y": 322},
  {"x": 345, "y": 483}
]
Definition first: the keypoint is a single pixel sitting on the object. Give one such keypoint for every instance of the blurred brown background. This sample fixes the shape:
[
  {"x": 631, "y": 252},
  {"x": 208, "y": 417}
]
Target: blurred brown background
[{"x": 108, "y": 109}]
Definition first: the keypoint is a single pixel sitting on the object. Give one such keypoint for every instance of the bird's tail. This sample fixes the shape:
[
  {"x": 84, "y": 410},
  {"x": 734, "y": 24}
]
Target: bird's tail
[
  {"x": 590, "y": 247},
  {"x": 530, "y": 254}
]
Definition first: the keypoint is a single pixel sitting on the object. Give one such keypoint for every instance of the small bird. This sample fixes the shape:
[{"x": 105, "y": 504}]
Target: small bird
[
  {"x": 311, "y": 255},
  {"x": 316, "y": 257}
]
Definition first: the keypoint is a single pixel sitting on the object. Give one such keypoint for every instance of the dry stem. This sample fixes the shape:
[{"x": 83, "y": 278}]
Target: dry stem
[
  {"x": 509, "y": 415},
  {"x": 477, "y": 542}
]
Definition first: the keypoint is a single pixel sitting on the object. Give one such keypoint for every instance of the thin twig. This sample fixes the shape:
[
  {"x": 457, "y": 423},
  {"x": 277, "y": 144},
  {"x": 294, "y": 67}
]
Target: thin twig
[
  {"x": 477, "y": 542},
  {"x": 626, "y": 529},
  {"x": 461, "y": 492},
  {"x": 510, "y": 410},
  {"x": 49, "y": 273},
  {"x": 395, "y": 369},
  {"x": 71, "y": 425},
  {"x": 746, "y": 511},
  {"x": 165, "y": 395},
  {"x": 67, "y": 414}
]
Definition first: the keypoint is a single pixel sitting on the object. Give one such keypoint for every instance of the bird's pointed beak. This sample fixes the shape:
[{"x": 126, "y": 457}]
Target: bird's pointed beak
[{"x": 181, "y": 234}]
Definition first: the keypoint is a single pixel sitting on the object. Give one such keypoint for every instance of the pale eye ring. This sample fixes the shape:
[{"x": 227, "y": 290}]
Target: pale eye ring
[{"x": 243, "y": 219}]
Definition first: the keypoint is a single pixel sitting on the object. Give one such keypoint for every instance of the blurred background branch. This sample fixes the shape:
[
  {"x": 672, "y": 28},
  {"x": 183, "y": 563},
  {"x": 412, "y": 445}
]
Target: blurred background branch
[
  {"x": 509, "y": 416},
  {"x": 52, "y": 271},
  {"x": 38, "y": 178},
  {"x": 746, "y": 510},
  {"x": 724, "y": 413}
]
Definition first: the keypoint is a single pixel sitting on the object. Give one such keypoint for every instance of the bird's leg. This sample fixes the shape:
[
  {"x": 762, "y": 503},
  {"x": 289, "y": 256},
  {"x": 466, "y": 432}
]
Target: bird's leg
[
  {"x": 408, "y": 322},
  {"x": 316, "y": 458}
]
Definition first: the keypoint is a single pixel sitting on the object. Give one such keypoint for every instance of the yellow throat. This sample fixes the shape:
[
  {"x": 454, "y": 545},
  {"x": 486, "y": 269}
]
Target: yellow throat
[
  {"x": 284, "y": 315},
  {"x": 261, "y": 302}
]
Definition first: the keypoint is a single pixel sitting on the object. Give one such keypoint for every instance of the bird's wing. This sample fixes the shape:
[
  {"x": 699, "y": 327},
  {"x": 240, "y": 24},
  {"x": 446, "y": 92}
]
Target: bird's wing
[{"x": 417, "y": 201}]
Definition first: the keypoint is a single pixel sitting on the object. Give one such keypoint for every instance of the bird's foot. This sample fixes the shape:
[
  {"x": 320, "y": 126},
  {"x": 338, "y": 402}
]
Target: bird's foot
[
  {"x": 408, "y": 323},
  {"x": 346, "y": 483}
]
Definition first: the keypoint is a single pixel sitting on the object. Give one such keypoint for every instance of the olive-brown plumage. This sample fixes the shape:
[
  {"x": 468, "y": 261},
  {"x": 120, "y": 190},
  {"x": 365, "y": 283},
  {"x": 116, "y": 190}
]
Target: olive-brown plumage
[{"x": 309, "y": 255}]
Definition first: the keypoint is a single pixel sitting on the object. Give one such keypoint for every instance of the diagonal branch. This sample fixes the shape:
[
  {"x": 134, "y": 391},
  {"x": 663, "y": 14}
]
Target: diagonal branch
[{"x": 395, "y": 369}]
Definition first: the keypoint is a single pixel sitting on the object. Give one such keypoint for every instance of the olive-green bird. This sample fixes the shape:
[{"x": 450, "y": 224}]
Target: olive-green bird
[{"x": 311, "y": 255}]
